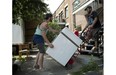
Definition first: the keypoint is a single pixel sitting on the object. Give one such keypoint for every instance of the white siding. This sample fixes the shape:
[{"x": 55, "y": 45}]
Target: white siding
[{"x": 18, "y": 33}]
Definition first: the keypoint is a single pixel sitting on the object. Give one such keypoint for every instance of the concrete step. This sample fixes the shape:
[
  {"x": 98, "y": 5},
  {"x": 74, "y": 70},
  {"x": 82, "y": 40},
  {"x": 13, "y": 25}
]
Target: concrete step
[{"x": 34, "y": 51}]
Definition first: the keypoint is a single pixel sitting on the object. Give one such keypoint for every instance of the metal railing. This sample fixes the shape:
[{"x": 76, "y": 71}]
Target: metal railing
[{"x": 77, "y": 4}]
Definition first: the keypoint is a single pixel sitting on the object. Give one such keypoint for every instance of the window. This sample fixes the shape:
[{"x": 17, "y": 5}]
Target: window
[
  {"x": 74, "y": 19},
  {"x": 56, "y": 18},
  {"x": 60, "y": 16},
  {"x": 76, "y": 4},
  {"x": 66, "y": 11}
]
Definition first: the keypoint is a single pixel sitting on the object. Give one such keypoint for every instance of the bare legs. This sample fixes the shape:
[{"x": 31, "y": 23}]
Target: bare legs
[
  {"x": 41, "y": 58},
  {"x": 36, "y": 65},
  {"x": 39, "y": 61}
]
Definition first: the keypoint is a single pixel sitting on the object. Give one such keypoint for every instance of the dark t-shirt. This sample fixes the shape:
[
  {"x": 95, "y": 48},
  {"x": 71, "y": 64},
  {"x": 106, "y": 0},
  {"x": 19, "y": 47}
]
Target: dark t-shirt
[{"x": 92, "y": 17}]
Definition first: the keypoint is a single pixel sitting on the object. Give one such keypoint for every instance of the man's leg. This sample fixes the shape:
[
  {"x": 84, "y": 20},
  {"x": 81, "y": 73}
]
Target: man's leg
[
  {"x": 36, "y": 65},
  {"x": 95, "y": 38},
  {"x": 41, "y": 55},
  {"x": 41, "y": 59}
]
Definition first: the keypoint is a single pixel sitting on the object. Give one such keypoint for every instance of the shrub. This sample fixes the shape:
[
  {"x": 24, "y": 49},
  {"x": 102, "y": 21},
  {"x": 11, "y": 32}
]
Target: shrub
[
  {"x": 91, "y": 66},
  {"x": 50, "y": 34}
]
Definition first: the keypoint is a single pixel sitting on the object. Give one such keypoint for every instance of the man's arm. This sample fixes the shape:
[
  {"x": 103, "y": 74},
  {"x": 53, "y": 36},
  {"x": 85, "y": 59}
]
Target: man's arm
[
  {"x": 95, "y": 20},
  {"x": 54, "y": 31},
  {"x": 45, "y": 37}
]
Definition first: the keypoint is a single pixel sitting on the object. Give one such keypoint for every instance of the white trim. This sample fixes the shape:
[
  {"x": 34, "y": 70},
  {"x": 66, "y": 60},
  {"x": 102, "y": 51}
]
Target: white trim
[
  {"x": 60, "y": 11},
  {"x": 67, "y": 23},
  {"x": 83, "y": 6},
  {"x": 67, "y": 12},
  {"x": 66, "y": 5},
  {"x": 61, "y": 23},
  {"x": 56, "y": 15}
]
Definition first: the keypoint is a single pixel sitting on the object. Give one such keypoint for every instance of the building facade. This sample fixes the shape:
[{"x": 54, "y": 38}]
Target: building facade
[
  {"x": 72, "y": 12},
  {"x": 64, "y": 13}
]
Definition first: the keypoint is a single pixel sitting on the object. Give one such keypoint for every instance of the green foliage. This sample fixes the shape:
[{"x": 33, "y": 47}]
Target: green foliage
[
  {"x": 91, "y": 66},
  {"x": 50, "y": 34},
  {"x": 78, "y": 27},
  {"x": 77, "y": 73},
  {"x": 23, "y": 59},
  {"x": 28, "y": 10},
  {"x": 74, "y": 25}
]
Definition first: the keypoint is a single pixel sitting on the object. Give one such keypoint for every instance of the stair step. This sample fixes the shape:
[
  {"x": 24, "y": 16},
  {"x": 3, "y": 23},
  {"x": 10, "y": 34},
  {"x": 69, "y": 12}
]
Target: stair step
[
  {"x": 89, "y": 51},
  {"x": 34, "y": 51}
]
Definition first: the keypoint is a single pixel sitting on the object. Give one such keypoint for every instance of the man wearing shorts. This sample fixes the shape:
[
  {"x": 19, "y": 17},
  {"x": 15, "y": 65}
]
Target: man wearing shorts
[
  {"x": 94, "y": 25},
  {"x": 39, "y": 38}
]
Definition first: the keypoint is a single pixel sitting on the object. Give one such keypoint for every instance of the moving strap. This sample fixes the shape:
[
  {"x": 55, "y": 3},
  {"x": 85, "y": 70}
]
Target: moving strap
[{"x": 69, "y": 39}]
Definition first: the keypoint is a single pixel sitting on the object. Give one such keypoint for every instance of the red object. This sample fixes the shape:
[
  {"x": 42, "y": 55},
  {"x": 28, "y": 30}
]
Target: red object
[
  {"x": 76, "y": 33},
  {"x": 71, "y": 61}
]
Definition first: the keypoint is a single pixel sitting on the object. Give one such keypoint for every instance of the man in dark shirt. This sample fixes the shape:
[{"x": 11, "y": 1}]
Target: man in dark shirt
[
  {"x": 93, "y": 21},
  {"x": 94, "y": 25}
]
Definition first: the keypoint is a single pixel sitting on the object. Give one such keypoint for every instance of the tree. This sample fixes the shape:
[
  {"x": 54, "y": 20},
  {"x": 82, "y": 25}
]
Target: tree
[{"x": 28, "y": 10}]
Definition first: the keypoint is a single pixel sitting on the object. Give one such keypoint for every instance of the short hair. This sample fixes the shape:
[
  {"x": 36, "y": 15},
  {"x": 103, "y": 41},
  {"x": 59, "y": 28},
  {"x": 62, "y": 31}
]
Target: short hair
[
  {"x": 47, "y": 16},
  {"x": 88, "y": 7}
]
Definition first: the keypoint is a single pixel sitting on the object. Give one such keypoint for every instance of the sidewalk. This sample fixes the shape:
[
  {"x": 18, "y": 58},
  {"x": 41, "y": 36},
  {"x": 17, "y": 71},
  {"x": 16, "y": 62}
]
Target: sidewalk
[{"x": 52, "y": 67}]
